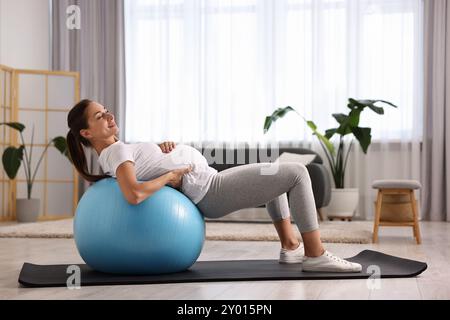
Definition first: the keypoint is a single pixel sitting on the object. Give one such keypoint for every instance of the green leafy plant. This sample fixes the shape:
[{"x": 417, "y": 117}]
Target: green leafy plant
[
  {"x": 348, "y": 124},
  {"x": 13, "y": 157}
]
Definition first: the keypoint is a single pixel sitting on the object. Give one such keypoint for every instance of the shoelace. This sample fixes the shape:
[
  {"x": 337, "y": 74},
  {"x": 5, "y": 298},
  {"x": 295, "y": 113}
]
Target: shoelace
[{"x": 337, "y": 259}]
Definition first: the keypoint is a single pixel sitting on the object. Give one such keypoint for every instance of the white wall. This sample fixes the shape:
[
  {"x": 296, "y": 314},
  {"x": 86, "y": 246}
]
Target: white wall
[{"x": 24, "y": 34}]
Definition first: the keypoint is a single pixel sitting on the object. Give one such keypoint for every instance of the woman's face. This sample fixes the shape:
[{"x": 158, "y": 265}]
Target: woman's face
[{"x": 101, "y": 123}]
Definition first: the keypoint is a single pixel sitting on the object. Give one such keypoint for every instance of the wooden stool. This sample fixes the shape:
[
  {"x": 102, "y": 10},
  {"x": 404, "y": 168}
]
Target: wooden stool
[{"x": 396, "y": 187}]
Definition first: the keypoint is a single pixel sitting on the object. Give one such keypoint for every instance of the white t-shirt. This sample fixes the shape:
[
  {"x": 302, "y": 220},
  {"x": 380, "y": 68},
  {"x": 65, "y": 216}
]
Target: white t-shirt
[{"x": 150, "y": 163}]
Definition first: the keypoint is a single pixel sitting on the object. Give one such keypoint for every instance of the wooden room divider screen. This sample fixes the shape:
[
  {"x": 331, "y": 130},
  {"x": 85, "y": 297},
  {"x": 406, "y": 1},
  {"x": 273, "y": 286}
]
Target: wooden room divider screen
[{"x": 41, "y": 100}]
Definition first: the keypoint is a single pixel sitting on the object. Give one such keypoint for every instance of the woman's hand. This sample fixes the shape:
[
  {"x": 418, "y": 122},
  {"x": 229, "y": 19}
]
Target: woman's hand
[
  {"x": 175, "y": 177},
  {"x": 166, "y": 147}
]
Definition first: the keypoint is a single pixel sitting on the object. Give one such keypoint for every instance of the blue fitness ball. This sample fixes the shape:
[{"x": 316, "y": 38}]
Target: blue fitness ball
[{"x": 163, "y": 234}]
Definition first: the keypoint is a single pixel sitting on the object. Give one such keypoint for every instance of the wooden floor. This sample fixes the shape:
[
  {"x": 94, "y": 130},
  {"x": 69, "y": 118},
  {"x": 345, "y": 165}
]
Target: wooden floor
[{"x": 434, "y": 283}]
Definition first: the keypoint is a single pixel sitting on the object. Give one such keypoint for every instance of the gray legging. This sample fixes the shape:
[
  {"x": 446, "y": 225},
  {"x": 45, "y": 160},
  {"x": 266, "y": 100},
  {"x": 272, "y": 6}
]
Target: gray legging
[{"x": 255, "y": 184}]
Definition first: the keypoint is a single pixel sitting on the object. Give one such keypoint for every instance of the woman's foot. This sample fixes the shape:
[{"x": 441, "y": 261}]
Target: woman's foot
[
  {"x": 328, "y": 262},
  {"x": 292, "y": 256}
]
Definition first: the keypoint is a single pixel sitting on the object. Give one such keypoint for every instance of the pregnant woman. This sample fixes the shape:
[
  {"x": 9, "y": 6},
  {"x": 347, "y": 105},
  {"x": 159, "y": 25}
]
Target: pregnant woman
[{"x": 142, "y": 169}]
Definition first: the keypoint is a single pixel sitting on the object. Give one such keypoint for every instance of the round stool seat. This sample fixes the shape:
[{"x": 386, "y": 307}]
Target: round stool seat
[{"x": 396, "y": 184}]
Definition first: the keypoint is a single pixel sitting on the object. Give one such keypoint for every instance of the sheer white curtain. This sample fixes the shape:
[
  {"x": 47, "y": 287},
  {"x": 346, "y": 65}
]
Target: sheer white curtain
[{"x": 212, "y": 70}]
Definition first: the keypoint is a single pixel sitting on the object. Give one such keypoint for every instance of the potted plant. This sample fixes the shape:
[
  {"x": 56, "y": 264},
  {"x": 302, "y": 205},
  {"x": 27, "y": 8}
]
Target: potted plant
[
  {"x": 27, "y": 210},
  {"x": 344, "y": 201}
]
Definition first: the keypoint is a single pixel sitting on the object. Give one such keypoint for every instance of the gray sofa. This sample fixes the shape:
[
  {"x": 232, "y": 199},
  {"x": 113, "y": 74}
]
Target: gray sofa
[{"x": 221, "y": 158}]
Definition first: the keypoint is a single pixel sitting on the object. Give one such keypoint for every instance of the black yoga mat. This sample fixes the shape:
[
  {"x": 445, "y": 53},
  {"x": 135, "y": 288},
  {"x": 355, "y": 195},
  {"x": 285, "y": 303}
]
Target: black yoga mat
[{"x": 374, "y": 263}]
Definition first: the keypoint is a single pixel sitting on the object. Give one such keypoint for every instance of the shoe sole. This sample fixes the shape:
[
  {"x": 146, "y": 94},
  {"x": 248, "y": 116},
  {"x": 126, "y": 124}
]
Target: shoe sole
[
  {"x": 290, "y": 261},
  {"x": 332, "y": 270}
]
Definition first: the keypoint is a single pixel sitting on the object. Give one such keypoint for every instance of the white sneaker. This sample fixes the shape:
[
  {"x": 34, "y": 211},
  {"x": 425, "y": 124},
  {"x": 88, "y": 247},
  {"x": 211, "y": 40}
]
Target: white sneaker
[
  {"x": 292, "y": 256},
  {"x": 328, "y": 262}
]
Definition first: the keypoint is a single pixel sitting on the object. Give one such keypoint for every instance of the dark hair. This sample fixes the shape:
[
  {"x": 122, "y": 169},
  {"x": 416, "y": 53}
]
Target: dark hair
[{"x": 76, "y": 120}]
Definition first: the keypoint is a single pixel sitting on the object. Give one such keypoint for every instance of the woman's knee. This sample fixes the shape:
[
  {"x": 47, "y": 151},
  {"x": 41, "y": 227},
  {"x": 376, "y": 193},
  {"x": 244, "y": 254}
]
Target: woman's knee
[{"x": 297, "y": 170}]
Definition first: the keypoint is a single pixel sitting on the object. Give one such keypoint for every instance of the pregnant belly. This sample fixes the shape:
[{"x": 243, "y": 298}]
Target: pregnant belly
[{"x": 183, "y": 156}]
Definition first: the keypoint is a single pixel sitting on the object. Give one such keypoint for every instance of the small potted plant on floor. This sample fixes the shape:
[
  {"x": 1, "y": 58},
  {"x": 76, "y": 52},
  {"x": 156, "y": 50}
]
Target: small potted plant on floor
[
  {"x": 344, "y": 201},
  {"x": 27, "y": 210}
]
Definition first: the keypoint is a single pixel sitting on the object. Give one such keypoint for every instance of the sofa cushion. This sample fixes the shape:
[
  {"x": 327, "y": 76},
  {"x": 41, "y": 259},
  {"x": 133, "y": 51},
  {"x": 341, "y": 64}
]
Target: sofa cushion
[{"x": 294, "y": 157}]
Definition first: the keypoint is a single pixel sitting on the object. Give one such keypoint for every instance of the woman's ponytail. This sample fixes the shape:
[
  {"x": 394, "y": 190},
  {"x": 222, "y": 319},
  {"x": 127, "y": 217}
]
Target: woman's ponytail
[{"x": 76, "y": 121}]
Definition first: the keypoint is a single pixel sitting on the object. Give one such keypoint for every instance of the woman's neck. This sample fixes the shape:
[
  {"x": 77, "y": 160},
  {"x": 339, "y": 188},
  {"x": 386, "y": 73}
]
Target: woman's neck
[{"x": 100, "y": 145}]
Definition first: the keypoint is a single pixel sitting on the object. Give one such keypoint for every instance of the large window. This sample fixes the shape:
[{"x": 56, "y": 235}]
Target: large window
[{"x": 211, "y": 70}]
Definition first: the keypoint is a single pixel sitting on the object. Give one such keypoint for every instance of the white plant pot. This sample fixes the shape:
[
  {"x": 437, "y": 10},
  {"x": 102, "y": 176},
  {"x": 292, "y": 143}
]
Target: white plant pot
[
  {"x": 27, "y": 210},
  {"x": 344, "y": 202}
]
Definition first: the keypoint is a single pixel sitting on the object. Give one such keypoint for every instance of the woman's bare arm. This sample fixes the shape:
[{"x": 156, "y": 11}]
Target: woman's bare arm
[{"x": 136, "y": 192}]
